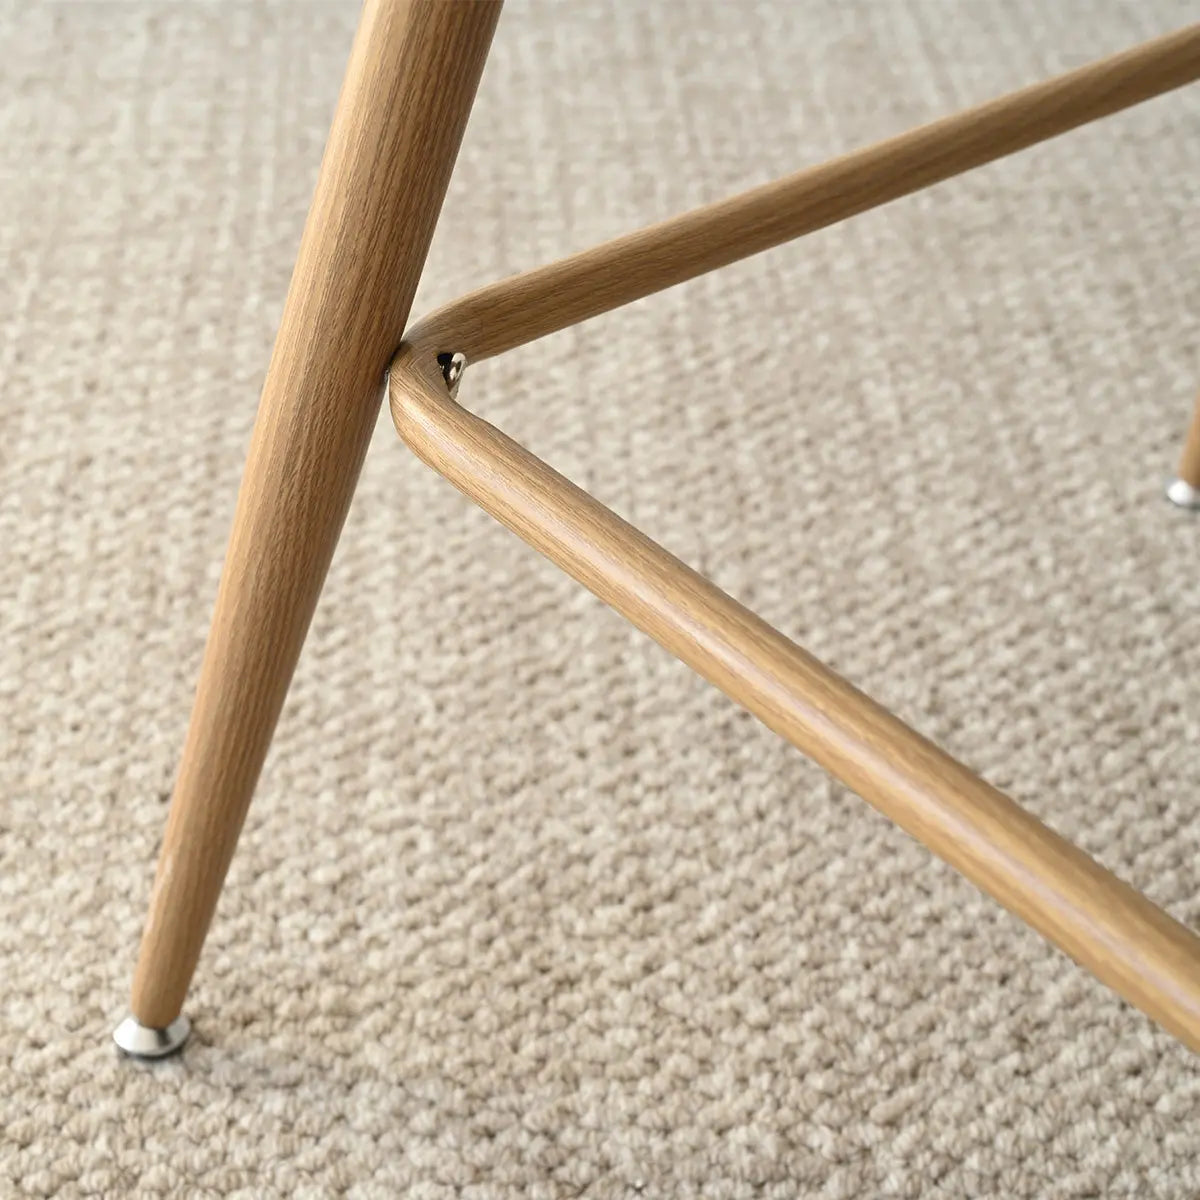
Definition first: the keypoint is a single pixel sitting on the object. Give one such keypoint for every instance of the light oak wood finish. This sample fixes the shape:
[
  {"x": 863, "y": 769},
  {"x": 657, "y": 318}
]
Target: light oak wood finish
[
  {"x": 1126, "y": 941},
  {"x": 411, "y": 77},
  {"x": 1189, "y": 459},
  {"x": 520, "y": 309}
]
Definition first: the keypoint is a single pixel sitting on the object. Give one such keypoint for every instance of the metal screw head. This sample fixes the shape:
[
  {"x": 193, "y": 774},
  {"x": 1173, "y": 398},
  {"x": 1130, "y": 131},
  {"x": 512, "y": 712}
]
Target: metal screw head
[{"x": 453, "y": 366}]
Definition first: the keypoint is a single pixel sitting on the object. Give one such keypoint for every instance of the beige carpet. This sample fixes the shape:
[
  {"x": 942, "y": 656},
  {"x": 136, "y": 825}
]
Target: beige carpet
[{"x": 523, "y": 908}]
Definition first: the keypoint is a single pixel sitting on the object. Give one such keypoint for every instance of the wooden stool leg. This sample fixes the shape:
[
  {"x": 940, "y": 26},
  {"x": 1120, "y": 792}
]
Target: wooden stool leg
[
  {"x": 411, "y": 77},
  {"x": 1185, "y": 490}
]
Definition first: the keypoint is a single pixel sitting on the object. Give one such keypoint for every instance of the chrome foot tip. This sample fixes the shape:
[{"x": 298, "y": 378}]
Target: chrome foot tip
[
  {"x": 1183, "y": 494},
  {"x": 144, "y": 1041}
]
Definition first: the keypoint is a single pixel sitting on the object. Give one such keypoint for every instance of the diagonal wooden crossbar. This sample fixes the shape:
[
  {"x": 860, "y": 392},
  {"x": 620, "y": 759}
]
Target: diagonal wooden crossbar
[
  {"x": 511, "y": 312},
  {"x": 1129, "y": 943}
]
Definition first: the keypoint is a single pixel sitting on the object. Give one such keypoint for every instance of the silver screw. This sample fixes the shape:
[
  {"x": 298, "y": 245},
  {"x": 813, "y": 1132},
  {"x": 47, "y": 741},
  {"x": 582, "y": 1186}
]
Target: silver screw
[{"x": 453, "y": 366}]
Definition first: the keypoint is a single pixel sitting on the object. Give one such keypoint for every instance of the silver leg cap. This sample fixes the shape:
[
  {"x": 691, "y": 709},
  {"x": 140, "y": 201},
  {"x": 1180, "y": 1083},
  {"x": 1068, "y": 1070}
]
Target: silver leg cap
[
  {"x": 1180, "y": 492},
  {"x": 143, "y": 1041}
]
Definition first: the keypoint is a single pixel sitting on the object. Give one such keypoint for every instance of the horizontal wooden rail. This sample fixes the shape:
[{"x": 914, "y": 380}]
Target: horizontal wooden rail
[
  {"x": 525, "y": 307},
  {"x": 1126, "y": 941}
]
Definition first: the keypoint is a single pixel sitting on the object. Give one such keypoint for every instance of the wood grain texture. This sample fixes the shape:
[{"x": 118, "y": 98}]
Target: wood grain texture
[
  {"x": 1189, "y": 458},
  {"x": 411, "y": 77},
  {"x": 520, "y": 309},
  {"x": 1126, "y": 941}
]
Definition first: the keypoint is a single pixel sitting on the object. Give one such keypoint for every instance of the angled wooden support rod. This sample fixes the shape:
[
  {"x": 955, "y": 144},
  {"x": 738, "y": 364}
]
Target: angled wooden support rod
[
  {"x": 1125, "y": 940},
  {"x": 525, "y": 307}
]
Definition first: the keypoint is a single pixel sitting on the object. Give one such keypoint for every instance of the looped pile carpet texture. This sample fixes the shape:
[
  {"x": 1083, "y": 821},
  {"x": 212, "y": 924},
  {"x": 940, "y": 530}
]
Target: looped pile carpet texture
[{"x": 522, "y": 907}]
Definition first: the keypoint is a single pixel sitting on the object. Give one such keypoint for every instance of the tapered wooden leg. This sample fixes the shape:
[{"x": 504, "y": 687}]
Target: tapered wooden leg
[
  {"x": 1184, "y": 490},
  {"x": 412, "y": 75}
]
